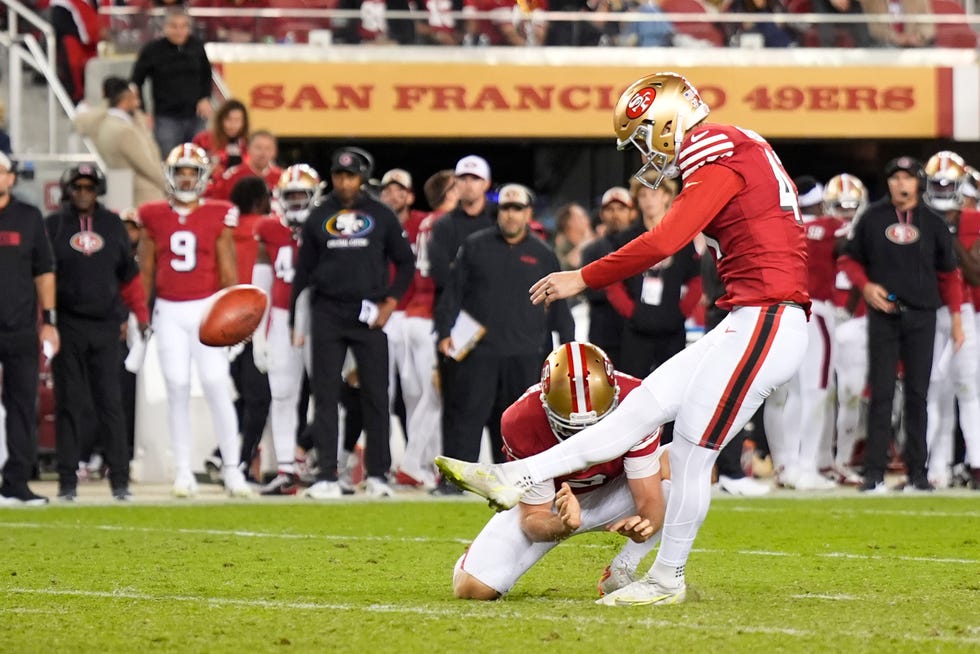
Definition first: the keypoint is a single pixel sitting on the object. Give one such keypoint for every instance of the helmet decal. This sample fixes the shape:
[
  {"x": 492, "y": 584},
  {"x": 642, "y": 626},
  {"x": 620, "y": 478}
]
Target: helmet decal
[{"x": 641, "y": 101}]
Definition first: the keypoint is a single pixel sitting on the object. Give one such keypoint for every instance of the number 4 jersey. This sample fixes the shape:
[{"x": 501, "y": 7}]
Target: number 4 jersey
[
  {"x": 186, "y": 246},
  {"x": 281, "y": 243}
]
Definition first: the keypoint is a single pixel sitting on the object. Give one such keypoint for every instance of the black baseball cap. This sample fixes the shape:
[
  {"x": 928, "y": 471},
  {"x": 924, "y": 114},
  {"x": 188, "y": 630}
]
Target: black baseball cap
[
  {"x": 908, "y": 164},
  {"x": 352, "y": 160}
]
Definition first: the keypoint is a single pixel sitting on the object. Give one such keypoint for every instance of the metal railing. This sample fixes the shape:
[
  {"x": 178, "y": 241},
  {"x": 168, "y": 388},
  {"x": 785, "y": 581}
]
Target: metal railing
[{"x": 24, "y": 48}]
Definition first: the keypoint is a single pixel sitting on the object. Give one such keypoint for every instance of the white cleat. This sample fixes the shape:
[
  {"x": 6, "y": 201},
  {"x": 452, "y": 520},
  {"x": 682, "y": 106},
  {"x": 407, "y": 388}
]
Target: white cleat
[
  {"x": 644, "y": 593},
  {"x": 377, "y": 487},
  {"x": 185, "y": 486},
  {"x": 235, "y": 484},
  {"x": 814, "y": 481},
  {"x": 614, "y": 578},
  {"x": 324, "y": 490},
  {"x": 485, "y": 480},
  {"x": 744, "y": 487}
]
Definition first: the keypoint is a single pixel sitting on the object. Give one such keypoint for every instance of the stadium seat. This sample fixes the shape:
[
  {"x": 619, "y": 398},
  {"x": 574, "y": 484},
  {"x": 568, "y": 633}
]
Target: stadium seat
[
  {"x": 703, "y": 31},
  {"x": 953, "y": 35},
  {"x": 809, "y": 36}
]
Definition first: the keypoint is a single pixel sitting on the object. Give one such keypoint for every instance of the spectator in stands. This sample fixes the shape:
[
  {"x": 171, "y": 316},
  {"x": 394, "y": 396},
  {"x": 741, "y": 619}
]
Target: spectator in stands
[
  {"x": 260, "y": 158},
  {"x": 439, "y": 28},
  {"x": 648, "y": 33},
  {"x": 180, "y": 72},
  {"x": 899, "y": 33},
  {"x": 512, "y": 24},
  {"x": 227, "y": 138},
  {"x": 580, "y": 32},
  {"x": 773, "y": 35},
  {"x": 828, "y": 32},
  {"x": 231, "y": 28},
  {"x": 374, "y": 27},
  {"x": 574, "y": 232},
  {"x": 77, "y": 29},
  {"x": 122, "y": 140}
]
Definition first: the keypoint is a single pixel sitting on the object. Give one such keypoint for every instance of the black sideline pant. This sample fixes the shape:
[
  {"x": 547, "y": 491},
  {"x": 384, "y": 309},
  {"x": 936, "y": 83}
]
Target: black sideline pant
[
  {"x": 252, "y": 405},
  {"x": 88, "y": 366},
  {"x": 907, "y": 336},
  {"x": 483, "y": 386},
  {"x": 332, "y": 335},
  {"x": 19, "y": 360}
]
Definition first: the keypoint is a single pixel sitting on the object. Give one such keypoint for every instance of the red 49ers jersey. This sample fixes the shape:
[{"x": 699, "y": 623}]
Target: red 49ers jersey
[
  {"x": 186, "y": 256},
  {"x": 821, "y": 262},
  {"x": 423, "y": 292},
  {"x": 526, "y": 431},
  {"x": 411, "y": 227},
  {"x": 281, "y": 243},
  {"x": 246, "y": 247},
  {"x": 968, "y": 233},
  {"x": 757, "y": 236},
  {"x": 220, "y": 187}
]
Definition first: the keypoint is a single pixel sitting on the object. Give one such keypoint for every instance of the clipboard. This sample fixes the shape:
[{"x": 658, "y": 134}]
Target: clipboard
[{"x": 466, "y": 333}]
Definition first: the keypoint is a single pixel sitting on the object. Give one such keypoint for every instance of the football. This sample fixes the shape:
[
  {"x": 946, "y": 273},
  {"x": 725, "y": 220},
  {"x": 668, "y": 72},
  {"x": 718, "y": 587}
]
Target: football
[{"x": 233, "y": 315}]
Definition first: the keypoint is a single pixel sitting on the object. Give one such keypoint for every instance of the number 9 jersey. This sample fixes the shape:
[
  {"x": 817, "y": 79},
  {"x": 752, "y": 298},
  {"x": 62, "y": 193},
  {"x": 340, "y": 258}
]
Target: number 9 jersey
[{"x": 185, "y": 246}]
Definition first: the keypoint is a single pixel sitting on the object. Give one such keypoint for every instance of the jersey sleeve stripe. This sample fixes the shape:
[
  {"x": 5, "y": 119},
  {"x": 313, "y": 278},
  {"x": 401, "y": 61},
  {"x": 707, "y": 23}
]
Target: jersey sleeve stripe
[{"x": 705, "y": 155}]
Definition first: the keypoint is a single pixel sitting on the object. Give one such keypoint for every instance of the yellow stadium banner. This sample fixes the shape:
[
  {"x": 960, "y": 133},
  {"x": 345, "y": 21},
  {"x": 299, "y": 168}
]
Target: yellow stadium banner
[{"x": 445, "y": 100}]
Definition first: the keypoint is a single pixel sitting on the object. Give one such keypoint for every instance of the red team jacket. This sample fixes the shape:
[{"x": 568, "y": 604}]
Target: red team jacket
[
  {"x": 822, "y": 262},
  {"x": 759, "y": 243},
  {"x": 186, "y": 258},
  {"x": 526, "y": 431}
]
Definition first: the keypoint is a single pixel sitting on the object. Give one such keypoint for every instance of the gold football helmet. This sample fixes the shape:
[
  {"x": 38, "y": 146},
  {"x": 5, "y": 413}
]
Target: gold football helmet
[
  {"x": 578, "y": 387},
  {"x": 844, "y": 196},
  {"x": 945, "y": 171},
  {"x": 654, "y": 114},
  {"x": 181, "y": 186},
  {"x": 297, "y": 192}
]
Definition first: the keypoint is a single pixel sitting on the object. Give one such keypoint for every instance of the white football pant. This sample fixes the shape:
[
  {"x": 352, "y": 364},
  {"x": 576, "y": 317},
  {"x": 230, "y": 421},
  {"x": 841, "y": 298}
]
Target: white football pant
[
  {"x": 851, "y": 370},
  {"x": 710, "y": 390},
  {"x": 954, "y": 377},
  {"x": 175, "y": 327},
  {"x": 797, "y": 413},
  {"x": 501, "y": 553},
  {"x": 423, "y": 405},
  {"x": 285, "y": 385}
]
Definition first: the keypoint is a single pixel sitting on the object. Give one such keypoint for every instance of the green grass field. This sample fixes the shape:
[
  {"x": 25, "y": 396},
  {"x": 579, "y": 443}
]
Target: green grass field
[{"x": 786, "y": 574}]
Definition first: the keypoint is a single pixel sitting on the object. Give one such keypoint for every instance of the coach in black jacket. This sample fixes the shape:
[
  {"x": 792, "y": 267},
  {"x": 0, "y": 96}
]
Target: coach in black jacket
[
  {"x": 494, "y": 269},
  {"x": 98, "y": 285},
  {"x": 900, "y": 254},
  {"x": 347, "y": 244}
]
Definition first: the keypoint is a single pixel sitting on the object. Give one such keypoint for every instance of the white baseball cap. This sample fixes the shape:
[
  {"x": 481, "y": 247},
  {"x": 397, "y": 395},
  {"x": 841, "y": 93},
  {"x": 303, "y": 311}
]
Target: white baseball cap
[
  {"x": 6, "y": 163},
  {"x": 514, "y": 194},
  {"x": 473, "y": 165},
  {"x": 617, "y": 194},
  {"x": 397, "y": 176}
]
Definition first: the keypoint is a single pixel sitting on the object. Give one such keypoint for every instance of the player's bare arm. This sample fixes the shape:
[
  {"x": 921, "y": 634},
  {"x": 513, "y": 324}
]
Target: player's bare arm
[
  {"x": 650, "y": 504},
  {"x": 225, "y": 251},
  {"x": 541, "y": 524}
]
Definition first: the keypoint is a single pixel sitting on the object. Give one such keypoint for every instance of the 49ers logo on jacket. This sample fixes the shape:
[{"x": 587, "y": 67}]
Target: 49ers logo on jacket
[
  {"x": 640, "y": 102},
  {"x": 348, "y": 229},
  {"x": 902, "y": 233},
  {"x": 86, "y": 242}
]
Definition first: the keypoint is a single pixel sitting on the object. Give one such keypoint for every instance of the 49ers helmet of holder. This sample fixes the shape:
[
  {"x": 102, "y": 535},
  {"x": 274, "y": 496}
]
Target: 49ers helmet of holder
[
  {"x": 578, "y": 387},
  {"x": 654, "y": 113}
]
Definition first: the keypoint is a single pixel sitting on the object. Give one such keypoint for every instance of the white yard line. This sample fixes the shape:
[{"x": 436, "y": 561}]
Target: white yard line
[
  {"x": 895, "y": 512},
  {"x": 239, "y": 533},
  {"x": 495, "y": 612}
]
